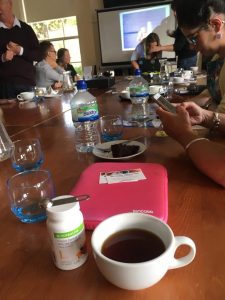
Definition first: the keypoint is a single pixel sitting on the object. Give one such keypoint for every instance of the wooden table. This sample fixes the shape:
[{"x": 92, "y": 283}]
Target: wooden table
[{"x": 196, "y": 209}]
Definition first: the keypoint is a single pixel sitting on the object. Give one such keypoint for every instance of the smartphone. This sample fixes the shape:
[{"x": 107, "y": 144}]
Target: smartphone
[{"x": 165, "y": 104}]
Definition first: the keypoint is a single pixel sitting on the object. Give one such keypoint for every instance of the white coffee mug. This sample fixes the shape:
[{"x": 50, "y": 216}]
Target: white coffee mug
[
  {"x": 187, "y": 74},
  {"x": 135, "y": 276},
  {"x": 125, "y": 94},
  {"x": 178, "y": 79},
  {"x": 194, "y": 69},
  {"x": 25, "y": 96},
  {"x": 153, "y": 89}
]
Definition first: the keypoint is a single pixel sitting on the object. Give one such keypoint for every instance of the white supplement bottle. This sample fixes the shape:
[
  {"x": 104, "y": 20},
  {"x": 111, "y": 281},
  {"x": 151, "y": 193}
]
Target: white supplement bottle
[{"x": 65, "y": 225}]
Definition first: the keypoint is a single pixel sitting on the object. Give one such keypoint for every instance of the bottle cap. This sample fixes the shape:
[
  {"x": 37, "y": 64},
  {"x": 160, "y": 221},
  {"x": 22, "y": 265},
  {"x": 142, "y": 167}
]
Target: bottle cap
[
  {"x": 137, "y": 72},
  {"x": 81, "y": 85},
  {"x": 62, "y": 211}
]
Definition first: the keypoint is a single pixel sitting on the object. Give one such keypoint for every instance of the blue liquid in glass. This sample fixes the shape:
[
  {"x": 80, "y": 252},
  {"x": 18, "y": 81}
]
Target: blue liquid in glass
[
  {"x": 111, "y": 137},
  {"x": 29, "y": 166},
  {"x": 30, "y": 213}
]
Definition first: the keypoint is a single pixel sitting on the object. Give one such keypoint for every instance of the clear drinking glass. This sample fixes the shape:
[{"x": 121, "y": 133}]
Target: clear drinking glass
[
  {"x": 111, "y": 127},
  {"x": 6, "y": 145},
  {"x": 26, "y": 190},
  {"x": 27, "y": 155}
]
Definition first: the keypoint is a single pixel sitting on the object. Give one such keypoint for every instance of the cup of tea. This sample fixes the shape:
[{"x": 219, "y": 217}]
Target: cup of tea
[{"x": 134, "y": 250}]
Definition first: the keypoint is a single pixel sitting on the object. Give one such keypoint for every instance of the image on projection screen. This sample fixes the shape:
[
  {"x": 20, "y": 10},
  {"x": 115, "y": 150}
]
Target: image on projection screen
[
  {"x": 120, "y": 30},
  {"x": 137, "y": 24}
]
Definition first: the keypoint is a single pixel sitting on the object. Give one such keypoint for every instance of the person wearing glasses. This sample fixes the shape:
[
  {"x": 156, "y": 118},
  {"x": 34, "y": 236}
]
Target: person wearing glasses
[
  {"x": 206, "y": 30},
  {"x": 48, "y": 72}
]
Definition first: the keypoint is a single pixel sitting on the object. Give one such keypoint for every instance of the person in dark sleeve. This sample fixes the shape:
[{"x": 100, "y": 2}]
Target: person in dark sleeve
[
  {"x": 19, "y": 48},
  {"x": 186, "y": 55},
  {"x": 63, "y": 60}
]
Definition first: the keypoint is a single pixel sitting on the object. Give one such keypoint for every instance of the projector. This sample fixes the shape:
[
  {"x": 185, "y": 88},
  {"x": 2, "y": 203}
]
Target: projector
[{"x": 101, "y": 82}]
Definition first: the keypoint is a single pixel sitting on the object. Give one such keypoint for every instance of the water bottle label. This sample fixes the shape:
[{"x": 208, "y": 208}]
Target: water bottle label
[
  {"x": 88, "y": 113},
  {"x": 139, "y": 91}
]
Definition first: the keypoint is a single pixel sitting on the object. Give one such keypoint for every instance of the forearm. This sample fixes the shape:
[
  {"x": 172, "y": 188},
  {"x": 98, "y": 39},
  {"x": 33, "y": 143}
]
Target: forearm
[
  {"x": 201, "y": 99},
  {"x": 209, "y": 158},
  {"x": 134, "y": 64},
  {"x": 166, "y": 48}
]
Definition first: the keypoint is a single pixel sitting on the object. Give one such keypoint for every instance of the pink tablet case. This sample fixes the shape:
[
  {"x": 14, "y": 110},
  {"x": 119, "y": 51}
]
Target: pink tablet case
[{"x": 147, "y": 196}]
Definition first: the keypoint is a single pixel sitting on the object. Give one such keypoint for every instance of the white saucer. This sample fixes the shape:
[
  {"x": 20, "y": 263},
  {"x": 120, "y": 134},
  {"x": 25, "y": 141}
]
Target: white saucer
[
  {"x": 52, "y": 95},
  {"x": 108, "y": 155}
]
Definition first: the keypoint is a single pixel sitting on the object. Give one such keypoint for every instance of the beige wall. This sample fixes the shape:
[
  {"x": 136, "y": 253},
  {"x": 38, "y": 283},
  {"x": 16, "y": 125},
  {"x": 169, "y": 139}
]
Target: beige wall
[{"x": 84, "y": 10}]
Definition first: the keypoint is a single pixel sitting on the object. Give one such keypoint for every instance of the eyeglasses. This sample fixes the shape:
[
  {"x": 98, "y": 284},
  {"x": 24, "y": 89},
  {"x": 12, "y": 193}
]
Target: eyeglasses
[{"x": 192, "y": 39}]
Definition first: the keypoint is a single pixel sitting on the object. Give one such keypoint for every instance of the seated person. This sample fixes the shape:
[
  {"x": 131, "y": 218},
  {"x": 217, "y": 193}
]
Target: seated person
[
  {"x": 48, "y": 72},
  {"x": 205, "y": 31},
  {"x": 143, "y": 58},
  {"x": 63, "y": 60}
]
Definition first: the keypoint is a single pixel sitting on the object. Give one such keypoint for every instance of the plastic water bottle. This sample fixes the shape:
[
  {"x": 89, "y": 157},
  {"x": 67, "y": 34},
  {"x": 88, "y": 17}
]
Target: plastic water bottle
[
  {"x": 139, "y": 94},
  {"x": 85, "y": 117}
]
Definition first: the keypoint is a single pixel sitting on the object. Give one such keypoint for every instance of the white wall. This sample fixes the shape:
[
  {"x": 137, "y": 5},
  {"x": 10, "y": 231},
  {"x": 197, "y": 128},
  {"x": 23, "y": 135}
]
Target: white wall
[{"x": 84, "y": 10}]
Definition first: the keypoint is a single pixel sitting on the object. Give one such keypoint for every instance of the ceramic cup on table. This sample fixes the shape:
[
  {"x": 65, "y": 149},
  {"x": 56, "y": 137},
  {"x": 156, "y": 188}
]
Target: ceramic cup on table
[
  {"x": 134, "y": 250},
  {"x": 187, "y": 74},
  {"x": 125, "y": 94},
  {"x": 194, "y": 69},
  {"x": 25, "y": 96},
  {"x": 153, "y": 89},
  {"x": 178, "y": 80}
]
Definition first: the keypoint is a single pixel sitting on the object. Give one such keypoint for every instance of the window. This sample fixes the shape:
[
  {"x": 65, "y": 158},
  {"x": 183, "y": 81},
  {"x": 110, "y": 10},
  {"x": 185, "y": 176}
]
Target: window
[{"x": 62, "y": 33}]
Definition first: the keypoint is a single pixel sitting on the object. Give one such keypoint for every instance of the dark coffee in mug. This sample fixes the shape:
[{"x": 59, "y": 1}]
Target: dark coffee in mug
[{"x": 133, "y": 246}]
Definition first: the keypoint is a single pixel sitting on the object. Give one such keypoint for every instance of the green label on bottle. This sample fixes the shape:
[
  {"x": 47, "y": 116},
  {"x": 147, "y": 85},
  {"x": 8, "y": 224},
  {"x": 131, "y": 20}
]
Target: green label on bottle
[{"x": 64, "y": 235}]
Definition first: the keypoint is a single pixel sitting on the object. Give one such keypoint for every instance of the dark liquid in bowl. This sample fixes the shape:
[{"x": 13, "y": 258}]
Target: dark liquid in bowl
[{"x": 133, "y": 246}]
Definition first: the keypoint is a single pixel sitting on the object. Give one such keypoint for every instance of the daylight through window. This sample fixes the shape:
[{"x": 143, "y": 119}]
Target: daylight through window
[{"x": 63, "y": 33}]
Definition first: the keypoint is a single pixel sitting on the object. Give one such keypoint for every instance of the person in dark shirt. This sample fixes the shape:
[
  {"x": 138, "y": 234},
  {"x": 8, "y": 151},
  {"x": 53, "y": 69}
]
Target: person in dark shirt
[
  {"x": 63, "y": 60},
  {"x": 19, "y": 48},
  {"x": 186, "y": 55}
]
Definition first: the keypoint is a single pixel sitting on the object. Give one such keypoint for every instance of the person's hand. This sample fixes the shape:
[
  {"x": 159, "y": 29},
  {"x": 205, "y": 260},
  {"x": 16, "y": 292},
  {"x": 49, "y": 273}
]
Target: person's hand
[
  {"x": 154, "y": 49},
  {"x": 196, "y": 113},
  {"x": 7, "y": 56},
  {"x": 15, "y": 48},
  {"x": 175, "y": 125}
]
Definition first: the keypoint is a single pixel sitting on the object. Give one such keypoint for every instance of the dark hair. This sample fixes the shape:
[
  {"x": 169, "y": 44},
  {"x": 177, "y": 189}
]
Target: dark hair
[
  {"x": 60, "y": 54},
  {"x": 45, "y": 46},
  {"x": 152, "y": 38},
  {"x": 196, "y": 13}
]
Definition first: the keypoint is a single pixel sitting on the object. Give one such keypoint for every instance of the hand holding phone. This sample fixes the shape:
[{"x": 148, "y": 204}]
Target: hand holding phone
[{"x": 165, "y": 104}]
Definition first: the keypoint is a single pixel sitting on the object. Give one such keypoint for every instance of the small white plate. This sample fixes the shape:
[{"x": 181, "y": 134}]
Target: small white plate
[{"x": 108, "y": 155}]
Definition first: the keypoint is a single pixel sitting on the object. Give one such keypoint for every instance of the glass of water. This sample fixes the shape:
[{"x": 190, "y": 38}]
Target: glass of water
[
  {"x": 111, "y": 127},
  {"x": 26, "y": 190},
  {"x": 27, "y": 155}
]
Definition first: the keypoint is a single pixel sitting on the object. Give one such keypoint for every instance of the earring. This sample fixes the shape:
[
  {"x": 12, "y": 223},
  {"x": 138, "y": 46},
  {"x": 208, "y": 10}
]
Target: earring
[{"x": 219, "y": 35}]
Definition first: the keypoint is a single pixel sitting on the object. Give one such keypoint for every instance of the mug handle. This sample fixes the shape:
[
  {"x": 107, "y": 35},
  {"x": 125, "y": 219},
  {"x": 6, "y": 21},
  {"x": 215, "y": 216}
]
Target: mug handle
[
  {"x": 187, "y": 259},
  {"x": 19, "y": 97}
]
